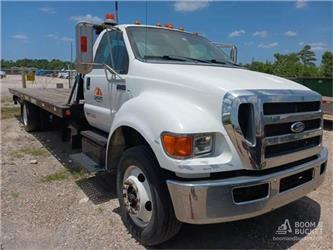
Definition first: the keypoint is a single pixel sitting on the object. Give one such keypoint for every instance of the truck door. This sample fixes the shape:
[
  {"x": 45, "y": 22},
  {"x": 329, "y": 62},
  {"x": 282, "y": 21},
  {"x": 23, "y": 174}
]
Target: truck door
[{"x": 101, "y": 96}]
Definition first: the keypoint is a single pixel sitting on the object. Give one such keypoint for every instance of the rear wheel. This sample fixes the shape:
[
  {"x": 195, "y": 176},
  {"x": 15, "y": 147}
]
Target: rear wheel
[
  {"x": 30, "y": 116},
  {"x": 146, "y": 207}
]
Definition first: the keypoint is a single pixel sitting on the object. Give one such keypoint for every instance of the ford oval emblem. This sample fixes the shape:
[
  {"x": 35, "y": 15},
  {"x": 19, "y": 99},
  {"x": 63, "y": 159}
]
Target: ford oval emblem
[{"x": 297, "y": 127}]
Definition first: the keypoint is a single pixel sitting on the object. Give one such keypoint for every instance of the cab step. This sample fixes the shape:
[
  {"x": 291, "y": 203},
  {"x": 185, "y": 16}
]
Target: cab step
[
  {"x": 96, "y": 136},
  {"x": 92, "y": 157},
  {"x": 85, "y": 162},
  {"x": 94, "y": 145}
]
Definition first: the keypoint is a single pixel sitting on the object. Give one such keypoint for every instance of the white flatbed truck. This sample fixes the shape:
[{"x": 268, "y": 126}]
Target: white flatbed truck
[{"x": 191, "y": 136}]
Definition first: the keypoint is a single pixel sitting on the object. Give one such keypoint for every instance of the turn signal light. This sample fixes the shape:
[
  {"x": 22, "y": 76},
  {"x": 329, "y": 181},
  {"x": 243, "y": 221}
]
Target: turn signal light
[{"x": 177, "y": 146}]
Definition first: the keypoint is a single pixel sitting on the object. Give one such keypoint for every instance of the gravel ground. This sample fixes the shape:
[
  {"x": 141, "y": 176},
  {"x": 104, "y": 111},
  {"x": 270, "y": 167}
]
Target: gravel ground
[
  {"x": 15, "y": 81},
  {"x": 44, "y": 207}
]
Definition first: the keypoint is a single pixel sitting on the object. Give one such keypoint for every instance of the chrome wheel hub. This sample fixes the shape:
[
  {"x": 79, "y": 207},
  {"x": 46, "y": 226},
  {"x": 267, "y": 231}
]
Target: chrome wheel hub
[
  {"x": 137, "y": 196},
  {"x": 25, "y": 115}
]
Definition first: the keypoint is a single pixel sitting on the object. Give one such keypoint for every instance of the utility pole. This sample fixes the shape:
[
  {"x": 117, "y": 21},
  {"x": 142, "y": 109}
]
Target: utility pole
[
  {"x": 23, "y": 73},
  {"x": 71, "y": 66},
  {"x": 71, "y": 54}
]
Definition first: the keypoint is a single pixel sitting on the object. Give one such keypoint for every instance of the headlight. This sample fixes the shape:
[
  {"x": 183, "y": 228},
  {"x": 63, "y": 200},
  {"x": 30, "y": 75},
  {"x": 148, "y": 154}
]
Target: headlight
[
  {"x": 186, "y": 146},
  {"x": 202, "y": 144}
]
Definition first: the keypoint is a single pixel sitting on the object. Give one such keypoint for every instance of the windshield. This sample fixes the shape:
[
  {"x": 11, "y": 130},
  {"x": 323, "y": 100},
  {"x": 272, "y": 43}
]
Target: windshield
[{"x": 170, "y": 45}]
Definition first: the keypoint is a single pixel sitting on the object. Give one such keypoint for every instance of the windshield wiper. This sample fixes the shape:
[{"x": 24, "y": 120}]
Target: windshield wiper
[
  {"x": 166, "y": 57},
  {"x": 210, "y": 61},
  {"x": 196, "y": 59},
  {"x": 186, "y": 59},
  {"x": 222, "y": 62},
  {"x": 176, "y": 58},
  {"x": 217, "y": 61}
]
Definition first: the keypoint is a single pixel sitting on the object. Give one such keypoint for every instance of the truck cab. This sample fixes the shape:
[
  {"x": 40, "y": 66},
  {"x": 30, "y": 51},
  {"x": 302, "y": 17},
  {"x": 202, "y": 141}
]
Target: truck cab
[{"x": 188, "y": 135}]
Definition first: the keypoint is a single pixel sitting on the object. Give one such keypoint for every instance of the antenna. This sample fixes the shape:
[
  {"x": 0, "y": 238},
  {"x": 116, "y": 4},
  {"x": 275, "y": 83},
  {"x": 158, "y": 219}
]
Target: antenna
[
  {"x": 116, "y": 10},
  {"x": 146, "y": 28}
]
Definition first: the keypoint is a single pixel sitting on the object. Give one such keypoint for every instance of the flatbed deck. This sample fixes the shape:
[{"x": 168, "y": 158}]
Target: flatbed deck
[{"x": 52, "y": 100}]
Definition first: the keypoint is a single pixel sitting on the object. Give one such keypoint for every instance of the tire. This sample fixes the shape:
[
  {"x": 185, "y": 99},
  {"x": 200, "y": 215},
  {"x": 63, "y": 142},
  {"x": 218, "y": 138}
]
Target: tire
[
  {"x": 30, "y": 117},
  {"x": 162, "y": 224}
]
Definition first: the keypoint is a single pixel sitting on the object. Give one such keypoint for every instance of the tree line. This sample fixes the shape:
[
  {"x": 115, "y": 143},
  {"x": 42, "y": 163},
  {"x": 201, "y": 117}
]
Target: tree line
[
  {"x": 54, "y": 64},
  {"x": 299, "y": 64}
]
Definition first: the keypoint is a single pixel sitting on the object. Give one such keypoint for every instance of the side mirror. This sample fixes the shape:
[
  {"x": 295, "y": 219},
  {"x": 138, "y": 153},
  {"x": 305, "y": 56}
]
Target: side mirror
[
  {"x": 233, "y": 54},
  {"x": 84, "y": 47},
  {"x": 233, "y": 50}
]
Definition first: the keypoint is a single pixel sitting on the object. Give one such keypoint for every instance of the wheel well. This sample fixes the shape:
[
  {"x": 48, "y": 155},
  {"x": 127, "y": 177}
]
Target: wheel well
[{"x": 123, "y": 138}]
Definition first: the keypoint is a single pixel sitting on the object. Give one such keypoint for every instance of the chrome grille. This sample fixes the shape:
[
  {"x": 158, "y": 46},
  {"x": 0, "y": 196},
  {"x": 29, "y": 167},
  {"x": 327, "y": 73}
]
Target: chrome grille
[
  {"x": 291, "y": 147},
  {"x": 275, "y": 111},
  {"x": 284, "y": 128},
  {"x": 290, "y": 107}
]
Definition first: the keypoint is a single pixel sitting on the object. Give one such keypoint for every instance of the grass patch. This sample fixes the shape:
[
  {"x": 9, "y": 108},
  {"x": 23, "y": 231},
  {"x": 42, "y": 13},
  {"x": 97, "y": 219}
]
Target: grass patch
[
  {"x": 78, "y": 173},
  {"x": 57, "y": 176},
  {"x": 100, "y": 210},
  {"x": 65, "y": 174},
  {"x": 7, "y": 99},
  {"x": 15, "y": 194},
  {"x": 10, "y": 112},
  {"x": 20, "y": 153}
]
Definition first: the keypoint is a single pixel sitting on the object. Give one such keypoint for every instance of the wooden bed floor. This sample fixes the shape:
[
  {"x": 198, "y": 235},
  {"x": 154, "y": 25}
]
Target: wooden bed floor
[{"x": 56, "y": 97}]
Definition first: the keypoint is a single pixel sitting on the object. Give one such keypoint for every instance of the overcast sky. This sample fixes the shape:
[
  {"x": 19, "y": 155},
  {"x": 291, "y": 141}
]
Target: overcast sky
[{"x": 45, "y": 29}]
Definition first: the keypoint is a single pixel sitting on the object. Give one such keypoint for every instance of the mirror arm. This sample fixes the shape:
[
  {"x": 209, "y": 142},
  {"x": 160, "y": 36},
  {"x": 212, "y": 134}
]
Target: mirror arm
[{"x": 107, "y": 67}]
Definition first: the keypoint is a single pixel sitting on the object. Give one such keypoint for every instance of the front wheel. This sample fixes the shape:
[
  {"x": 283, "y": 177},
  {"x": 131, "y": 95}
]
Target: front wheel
[{"x": 146, "y": 207}]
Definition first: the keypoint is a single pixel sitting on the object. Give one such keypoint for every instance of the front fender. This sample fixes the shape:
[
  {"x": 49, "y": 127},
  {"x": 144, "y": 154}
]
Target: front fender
[{"x": 151, "y": 114}]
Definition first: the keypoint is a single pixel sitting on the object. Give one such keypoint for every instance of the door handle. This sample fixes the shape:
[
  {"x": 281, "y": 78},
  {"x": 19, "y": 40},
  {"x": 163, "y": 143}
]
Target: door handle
[
  {"x": 88, "y": 83},
  {"x": 121, "y": 87}
]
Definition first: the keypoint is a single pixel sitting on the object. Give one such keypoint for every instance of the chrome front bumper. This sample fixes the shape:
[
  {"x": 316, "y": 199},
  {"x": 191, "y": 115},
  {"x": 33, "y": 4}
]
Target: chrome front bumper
[{"x": 212, "y": 201}]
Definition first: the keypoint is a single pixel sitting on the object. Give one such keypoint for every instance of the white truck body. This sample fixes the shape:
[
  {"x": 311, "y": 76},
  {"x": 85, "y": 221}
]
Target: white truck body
[
  {"x": 188, "y": 99},
  {"x": 191, "y": 139},
  {"x": 185, "y": 98}
]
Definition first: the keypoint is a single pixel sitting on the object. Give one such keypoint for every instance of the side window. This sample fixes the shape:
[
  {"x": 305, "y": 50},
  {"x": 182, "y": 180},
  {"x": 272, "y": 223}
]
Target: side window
[
  {"x": 113, "y": 53},
  {"x": 103, "y": 52}
]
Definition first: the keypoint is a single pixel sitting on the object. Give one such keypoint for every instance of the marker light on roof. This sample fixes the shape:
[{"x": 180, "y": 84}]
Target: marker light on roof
[
  {"x": 109, "y": 18},
  {"x": 137, "y": 22},
  {"x": 158, "y": 24},
  {"x": 169, "y": 25},
  {"x": 181, "y": 28}
]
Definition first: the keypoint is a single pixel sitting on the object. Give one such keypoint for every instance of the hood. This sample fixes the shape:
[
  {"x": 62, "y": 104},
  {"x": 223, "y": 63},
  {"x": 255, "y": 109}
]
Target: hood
[{"x": 214, "y": 77}]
